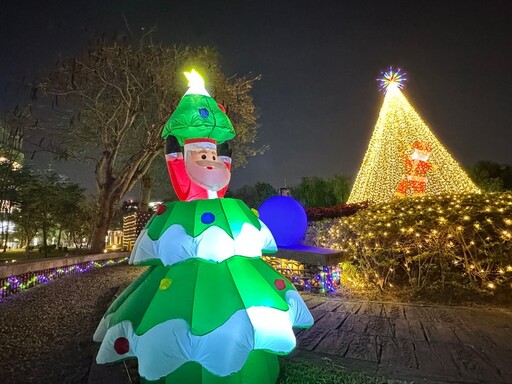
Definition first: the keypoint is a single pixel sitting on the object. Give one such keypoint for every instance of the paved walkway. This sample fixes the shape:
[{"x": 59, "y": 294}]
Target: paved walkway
[
  {"x": 421, "y": 343},
  {"x": 416, "y": 343}
]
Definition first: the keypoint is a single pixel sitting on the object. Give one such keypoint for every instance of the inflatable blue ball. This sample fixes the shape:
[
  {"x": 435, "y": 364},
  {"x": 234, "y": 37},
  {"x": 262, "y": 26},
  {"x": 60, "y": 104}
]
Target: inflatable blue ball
[{"x": 285, "y": 218}]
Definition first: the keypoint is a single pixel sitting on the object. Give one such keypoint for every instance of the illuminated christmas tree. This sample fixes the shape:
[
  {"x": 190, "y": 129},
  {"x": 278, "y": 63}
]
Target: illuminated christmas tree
[{"x": 404, "y": 158}]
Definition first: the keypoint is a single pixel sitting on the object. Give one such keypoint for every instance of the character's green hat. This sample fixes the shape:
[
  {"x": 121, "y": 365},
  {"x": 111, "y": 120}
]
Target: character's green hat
[{"x": 198, "y": 115}]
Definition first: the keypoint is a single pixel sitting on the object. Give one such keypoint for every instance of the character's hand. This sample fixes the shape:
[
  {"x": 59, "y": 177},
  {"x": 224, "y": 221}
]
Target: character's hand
[
  {"x": 224, "y": 149},
  {"x": 172, "y": 145}
]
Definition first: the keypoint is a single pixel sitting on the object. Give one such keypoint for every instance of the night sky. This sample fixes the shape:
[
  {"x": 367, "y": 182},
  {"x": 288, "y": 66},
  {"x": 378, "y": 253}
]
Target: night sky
[{"x": 318, "y": 97}]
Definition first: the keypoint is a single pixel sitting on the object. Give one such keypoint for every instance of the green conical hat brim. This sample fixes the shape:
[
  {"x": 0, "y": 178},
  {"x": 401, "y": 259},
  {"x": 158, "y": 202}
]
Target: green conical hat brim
[{"x": 187, "y": 122}]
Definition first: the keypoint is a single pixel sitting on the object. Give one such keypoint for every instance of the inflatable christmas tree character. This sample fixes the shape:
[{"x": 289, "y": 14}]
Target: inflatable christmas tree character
[
  {"x": 416, "y": 167},
  {"x": 208, "y": 309}
]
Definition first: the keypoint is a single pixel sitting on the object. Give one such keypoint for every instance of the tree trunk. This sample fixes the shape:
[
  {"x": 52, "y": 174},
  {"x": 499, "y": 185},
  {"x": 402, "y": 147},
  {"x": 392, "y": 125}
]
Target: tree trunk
[
  {"x": 59, "y": 236},
  {"x": 4, "y": 232},
  {"x": 6, "y": 236},
  {"x": 145, "y": 193},
  {"x": 45, "y": 244},
  {"x": 106, "y": 210}
]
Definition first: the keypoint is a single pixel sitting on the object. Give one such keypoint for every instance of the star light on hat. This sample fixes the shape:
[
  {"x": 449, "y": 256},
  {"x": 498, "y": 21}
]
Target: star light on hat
[{"x": 195, "y": 83}]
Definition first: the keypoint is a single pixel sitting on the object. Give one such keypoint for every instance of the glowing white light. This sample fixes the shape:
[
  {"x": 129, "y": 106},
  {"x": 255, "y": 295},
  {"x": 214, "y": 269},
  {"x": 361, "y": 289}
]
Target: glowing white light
[{"x": 195, "y": 83}]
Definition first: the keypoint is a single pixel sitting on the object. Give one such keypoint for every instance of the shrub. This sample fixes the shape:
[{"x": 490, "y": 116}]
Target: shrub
[
  {"x": 342, "y": 210},
  {"x": 452, "y": 244}
]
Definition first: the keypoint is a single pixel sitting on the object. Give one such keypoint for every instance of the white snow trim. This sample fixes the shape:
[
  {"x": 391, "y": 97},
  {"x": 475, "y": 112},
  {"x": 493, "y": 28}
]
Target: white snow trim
[
  {"x": 167, "y": 346},
  {"x": 298, "y": 311},
  {"x": 102, "y": 328},
  {"x": 214, "y": 244}
]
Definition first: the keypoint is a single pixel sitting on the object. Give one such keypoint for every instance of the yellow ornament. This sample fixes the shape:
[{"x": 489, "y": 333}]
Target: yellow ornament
[{"x": 165, "y": 284}]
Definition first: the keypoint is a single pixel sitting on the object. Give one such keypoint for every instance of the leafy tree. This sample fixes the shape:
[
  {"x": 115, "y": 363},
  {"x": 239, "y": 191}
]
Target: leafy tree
[
  {"x": 317, "y": 192},
  {"x": 254, "y": 195},
  {"x": 12, "y": 178},
  {"x": 490, "y": 176},
  {"x": 313, "y": 192},
  {"x": 341, "y": 187},
  {"x": 13, "y": 124},
  {"x": 79, "y": 224},
  {"x": 46, "y": 202},
  {"x": 119, "y": 97},
  {"x": 69, "y": 208}
]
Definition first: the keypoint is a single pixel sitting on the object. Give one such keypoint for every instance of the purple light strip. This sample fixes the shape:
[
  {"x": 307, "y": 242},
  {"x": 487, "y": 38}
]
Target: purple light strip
[{"x": 14, "y": 284}]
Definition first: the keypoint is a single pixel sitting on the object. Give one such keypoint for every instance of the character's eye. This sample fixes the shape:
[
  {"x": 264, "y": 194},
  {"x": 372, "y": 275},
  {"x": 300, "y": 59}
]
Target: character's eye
[
  {"x": 214, "y": 158},
  {"x": 203, "y": 157}
]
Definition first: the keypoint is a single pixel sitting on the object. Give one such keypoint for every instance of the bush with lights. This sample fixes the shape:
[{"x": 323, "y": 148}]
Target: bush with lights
[{"x": 455, "y": 244}]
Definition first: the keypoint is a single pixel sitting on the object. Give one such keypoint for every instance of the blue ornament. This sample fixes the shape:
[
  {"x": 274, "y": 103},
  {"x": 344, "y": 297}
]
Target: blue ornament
[
  {"x": 204, "y": 113},
  {"x": 207, "y": 218},
  {"x": 286, "y": 219}
]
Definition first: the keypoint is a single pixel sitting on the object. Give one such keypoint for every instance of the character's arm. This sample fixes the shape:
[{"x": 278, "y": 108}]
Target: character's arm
[
  {"x": 176, "y": 168},
  {"x": 224, "y": 152}
]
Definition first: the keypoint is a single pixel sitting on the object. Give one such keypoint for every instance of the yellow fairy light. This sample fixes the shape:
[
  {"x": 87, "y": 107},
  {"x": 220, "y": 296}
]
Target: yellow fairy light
[
  {"x": 491, "y": 285},
  {"x": 397, "y": 127}
]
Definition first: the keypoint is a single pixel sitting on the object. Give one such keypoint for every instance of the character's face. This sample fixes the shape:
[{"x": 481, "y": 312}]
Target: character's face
[
  {"x": 420, "y": 155},
  {"x": 205, "y": 170}
]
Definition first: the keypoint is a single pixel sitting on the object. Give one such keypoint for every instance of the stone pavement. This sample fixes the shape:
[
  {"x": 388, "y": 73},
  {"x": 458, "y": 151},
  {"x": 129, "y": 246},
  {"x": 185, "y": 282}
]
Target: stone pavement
[
  {"x": 422, "y": 343},
  {"x": 416, "y": 343}
]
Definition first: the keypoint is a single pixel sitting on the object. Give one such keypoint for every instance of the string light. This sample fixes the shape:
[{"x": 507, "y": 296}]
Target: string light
[
  {"x": 478, "y": 247},
  {"x": 397, "y": 128},
  {"x": 14, "y": 284}
]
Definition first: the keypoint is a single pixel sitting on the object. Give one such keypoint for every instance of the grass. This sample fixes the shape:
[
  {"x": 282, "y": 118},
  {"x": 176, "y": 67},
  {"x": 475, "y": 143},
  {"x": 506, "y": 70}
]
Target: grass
[
  {"x": 301, "y": 372},
  {"x": 20, "y": 254}
]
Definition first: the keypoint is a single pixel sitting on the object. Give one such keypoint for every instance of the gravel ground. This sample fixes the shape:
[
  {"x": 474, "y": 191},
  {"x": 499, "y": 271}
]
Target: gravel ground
[{"x": 46, "y": 331}]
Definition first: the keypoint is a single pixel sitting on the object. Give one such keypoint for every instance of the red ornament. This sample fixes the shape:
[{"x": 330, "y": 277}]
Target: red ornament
[
  {"x": 160, "y": 209},
  {"x": 222, "y": 108},
  {"x": 280, "y": 284},
  {"x": 122, "y": 345}
]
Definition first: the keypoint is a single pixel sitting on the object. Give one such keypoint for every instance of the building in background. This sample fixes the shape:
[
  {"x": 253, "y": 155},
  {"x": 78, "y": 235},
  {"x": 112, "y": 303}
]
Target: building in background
[{"x": 134, "y": 222}]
